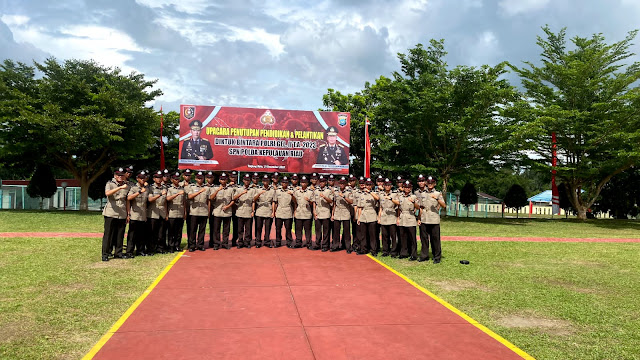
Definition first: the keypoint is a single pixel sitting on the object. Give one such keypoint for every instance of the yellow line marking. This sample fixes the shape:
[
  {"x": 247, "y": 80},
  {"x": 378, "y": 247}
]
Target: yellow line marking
[
  {"x": 473, "y": 322},
  {"x": 103, "y": 340}
]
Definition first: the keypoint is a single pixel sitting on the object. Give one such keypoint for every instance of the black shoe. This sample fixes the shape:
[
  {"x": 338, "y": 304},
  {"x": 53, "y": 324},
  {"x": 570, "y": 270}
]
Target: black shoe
[
  {"x": 436, "y": 261},
  {"x": 177, "y": 249},
  {"x": 412, "y": 259},
  {"x": 105, "y": 258},
  {"x": 215, "y": 248},
  {"x": 394, "y": 255},
  {"x": 118, "y": 257},
  {"x": 403, "y": 256},
  {"x": 374, "y": 254},
  {"x": 192, "y": 249},
  {"x": 334, "y": 250},
  {"x": 239, "y": 247},
  {"x": 248, "y": 246},
  {"x": 423, "y": 260},
  {"x": 201, "y": 248},
  {"x": 110, "y": 255},
  {"x": 325, "y": 250},
  {"x": 258, "y": 246},
  {"x": 361, "y": 253},
  {"x": 349, "y": 251}
]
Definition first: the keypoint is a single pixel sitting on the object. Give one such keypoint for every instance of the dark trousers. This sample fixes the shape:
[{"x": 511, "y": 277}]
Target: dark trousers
[
  {"x": 188, "y": 221},
  {"x": 113, "y": 235},
  {"x": 136, "y": 236},
  {"x": 175, "y": 232},
  {"x": 234, "y": 223},
  {"x": 225, "y": 222},
  {"x": 244, "y": 231},
  {"x": 211, "y": 220},
  {"x": 337, "y": 242},
  {"x": 156, "y": 236},
  {"x": 354, "y": 234},
  {"x": 378, "y": 232},
  {"x": 408, "y": 243},
  {"x": 322, "y": 234},
  {"x": 430, "y": 233},
  {"x": 165, "y": 235},
  {"x": 287, "y": 228},
  {"x": 367, "y": 235},
  {"x": 265, "y": 222},
  {"x": 303, "y": 224},
  {"x": 198, "y": 228},
  {"x": 388, "y": 239}
]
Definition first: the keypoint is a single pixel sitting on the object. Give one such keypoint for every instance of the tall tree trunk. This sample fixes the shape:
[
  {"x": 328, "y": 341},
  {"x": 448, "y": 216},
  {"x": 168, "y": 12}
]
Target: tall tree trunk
[{"x": 84, "y": 193}]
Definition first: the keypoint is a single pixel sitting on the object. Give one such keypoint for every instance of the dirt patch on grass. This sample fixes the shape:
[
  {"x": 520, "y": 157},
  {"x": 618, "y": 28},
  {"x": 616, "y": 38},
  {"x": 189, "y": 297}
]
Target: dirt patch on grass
[
  {"x": 73, "y": 287},
  {"x": 16, "y": 330},
  {"x": 585, "y": 263},
  {"x": 459, "y": 285},
  {"x": 547, "y": 325},
  {"x": 113, "y": 264},
  {"x": 572, "y": 287}
]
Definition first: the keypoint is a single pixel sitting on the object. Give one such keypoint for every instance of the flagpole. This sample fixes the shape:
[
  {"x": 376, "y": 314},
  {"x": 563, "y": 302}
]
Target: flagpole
[
  {"x": 367, "y": 149},
  {"x": 555, "y": 195},
  {"x": 162, "y": 165}
]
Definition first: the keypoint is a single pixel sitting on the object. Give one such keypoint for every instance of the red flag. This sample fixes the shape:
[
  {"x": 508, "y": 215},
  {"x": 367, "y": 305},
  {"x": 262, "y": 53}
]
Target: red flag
[
  {"x": 161, "y": 140},
  {"x": 555, "y": 195},
  {"x": 367, "y": 149}
]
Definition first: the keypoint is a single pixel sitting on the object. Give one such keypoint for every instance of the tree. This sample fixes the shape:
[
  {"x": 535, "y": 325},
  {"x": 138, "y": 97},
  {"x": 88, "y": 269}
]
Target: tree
[
  {"x": 516, "y": 198},
  {"x": 84, "y": 117},
  {"x": 565, "y": 202},
  {"x": 590, "y": 99},
  {"x": 468, "y": 196},
  {"x": 431, "y": 119},
  {"x": 620, "y": 197},
  {"x": 42, "y": 184}
]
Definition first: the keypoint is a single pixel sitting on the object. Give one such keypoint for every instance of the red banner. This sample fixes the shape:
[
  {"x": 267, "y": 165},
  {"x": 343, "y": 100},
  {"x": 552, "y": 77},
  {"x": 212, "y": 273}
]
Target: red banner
[{"x": 264, "y": 140}]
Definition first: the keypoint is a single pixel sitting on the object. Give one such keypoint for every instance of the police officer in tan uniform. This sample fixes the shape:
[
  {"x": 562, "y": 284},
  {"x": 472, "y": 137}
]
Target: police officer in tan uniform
[
  {"x": 295, "y": 181},
  {"x": 137, "y": 211},
  {"x": 352, "y": 182},
  {"x": 209, "y": 179},
  {"x": 387, "y": 218},
  {"x": 221, "y": 200},
  {"x": 157, "y": 213},
  {"x": 431, "y": 201},
  {"x": 322, "y": 204},
  {"x": 233, "y": 184},
  {"x": 407, "y": 222},
  {"x": 263, "y": 200},
  {"x": 243, "y": 197},
  {"x": 303, "y": 199},
  {"x": 199, "y": 210},
  {"x": 367, "y": 219},
  {"x": 283, "y": 212},
  {"x": 341, "y": 216},
  {"x": 115, "y": 214},
  {"x": 186, "y": 184},
  {"x": 177, "y": 211}
]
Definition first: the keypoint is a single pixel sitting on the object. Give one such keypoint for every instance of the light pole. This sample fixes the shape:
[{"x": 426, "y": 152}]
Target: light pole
[
  {"x": 457, "y": 194},
  {"x": 64, "y": 195}
]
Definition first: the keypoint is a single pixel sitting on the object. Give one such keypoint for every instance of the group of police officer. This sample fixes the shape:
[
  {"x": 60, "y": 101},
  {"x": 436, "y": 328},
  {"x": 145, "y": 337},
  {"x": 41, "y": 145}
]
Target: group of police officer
[{"x": 350, "y": 214}]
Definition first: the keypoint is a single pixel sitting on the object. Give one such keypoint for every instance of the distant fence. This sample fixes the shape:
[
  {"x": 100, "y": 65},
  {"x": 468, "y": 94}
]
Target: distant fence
[{"x": 16, "y": 197}]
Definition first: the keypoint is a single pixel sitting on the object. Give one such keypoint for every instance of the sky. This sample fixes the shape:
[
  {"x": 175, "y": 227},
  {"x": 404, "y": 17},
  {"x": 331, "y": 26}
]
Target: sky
[{"x": 286, "y": 54}]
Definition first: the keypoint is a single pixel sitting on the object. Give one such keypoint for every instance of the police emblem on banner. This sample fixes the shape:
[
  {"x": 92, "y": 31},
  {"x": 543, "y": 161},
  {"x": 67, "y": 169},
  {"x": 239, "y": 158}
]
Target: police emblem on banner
[
  {"x": 267, "y": 118},
  {"x": 342, "y": 119},
  {"x": 189, "y": 112}
]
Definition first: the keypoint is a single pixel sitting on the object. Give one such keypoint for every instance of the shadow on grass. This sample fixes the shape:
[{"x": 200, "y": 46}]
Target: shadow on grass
[
  {"x": 57, "y": 212},
  {"x": 602, "y": 223}
]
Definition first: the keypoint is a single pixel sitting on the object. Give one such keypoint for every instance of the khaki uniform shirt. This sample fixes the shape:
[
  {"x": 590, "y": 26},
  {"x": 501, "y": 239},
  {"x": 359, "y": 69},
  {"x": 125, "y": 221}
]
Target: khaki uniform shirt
[
  {"x": 342, "y": 209},
  {"x": 388, "y": 214},
  {"x": 264, "y": 204},
  {"x": 245, "y": 202},
  {"x": 222, "y": 199},
  {"x": 117, "y": 203},
  {"x": 198, "y": 205},
  {"x": 187, "y": 189},
  {"x": 368, "y": 205},
  {"x": 284, "y": 201},
  {"x": 157, "y": 209},
  {"x": 304, "y": 209},
  {"x": 430, "y": 206},
  {"x": 407, "y": 210},
  {"x": 323, "y": 208},
  {"x": 138, "y": 211},
  {"x": 177, "y": 205}
]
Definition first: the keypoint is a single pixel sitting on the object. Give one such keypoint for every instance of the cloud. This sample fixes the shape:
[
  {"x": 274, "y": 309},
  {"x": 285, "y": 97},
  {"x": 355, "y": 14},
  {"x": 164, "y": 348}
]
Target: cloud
[{"x": 517, "y": 7}]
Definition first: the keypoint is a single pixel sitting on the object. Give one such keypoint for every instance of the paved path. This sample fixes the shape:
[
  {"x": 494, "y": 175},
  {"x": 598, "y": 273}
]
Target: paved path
[
  {"x": 444, "y": 238},
  {"x": 294, "y": 304}
]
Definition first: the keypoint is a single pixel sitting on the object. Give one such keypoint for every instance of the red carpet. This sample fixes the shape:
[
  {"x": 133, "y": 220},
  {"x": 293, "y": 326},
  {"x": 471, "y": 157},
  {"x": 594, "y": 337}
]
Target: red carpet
[{"x": 292, "y": 304}]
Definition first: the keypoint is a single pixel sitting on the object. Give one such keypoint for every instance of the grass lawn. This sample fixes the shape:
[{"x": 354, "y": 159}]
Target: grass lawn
[
  {"x": 73, "y": 221},
  {"x": 57, "y": 298},
  {"x": 553, "y": 300}
]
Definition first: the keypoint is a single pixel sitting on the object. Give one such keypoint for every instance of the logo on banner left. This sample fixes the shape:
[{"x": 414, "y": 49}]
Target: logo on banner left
[
  {"x": 342, "y": 119},
  {"x": 189, "y": 112},
  {"x": 267, "y": 118}
]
